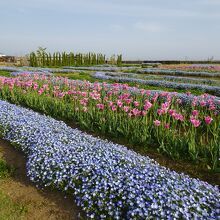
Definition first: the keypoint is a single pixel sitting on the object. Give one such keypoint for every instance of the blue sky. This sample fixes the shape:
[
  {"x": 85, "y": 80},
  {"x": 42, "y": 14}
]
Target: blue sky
[{"x": 139, "y": 29}]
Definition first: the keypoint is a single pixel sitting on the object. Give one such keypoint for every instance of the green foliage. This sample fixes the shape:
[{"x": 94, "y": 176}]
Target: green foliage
[
  {"x": 41, "y": 58},
  {"x": 5, "y": 73},
  {"x": 119, "y": 60},
  {"x": 5, "y": 169}
]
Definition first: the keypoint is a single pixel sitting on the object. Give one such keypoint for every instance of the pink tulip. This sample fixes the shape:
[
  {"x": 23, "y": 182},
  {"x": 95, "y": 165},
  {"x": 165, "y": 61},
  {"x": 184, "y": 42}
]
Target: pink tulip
[
  {"x": 210, "y": 101},
  {"x": 110, "y": 103},
  {"x": 40, "y": 91},
  {"x": 119, "y": 103},
  {"x": 135, "y": 112},
  {"x": 147, "y": 105},
  {"x": 136, "y": 104},
  {"x": 126, "y": 108},
  {"x": 84, "y": 94},
  {"x": 128, "y": 101},
  {"x": 212, "y": 107},
  {"x": 142, "y": 91},
  {"x": 154, "y": 99},
  {"x": 167, "y": 126},
  {"x": 130, "y": 114},
  {"x": 208, "y": 120},
  {"x": 177, "y": 116},
  {"x": 157, "y": 123},
  {"x": 205, "y": 95},
  {"x": 148, "y": 92},
  {"x": 46, "y": 87},
  {"x": 194, "y": 103},
  {"x": 195, "y": 122},
  {"x": 84, "y": 101},
  {"x": 163, "y": 94},
  {"x": 109, "y": 93},
  {"x": 195, "y": 112},
  {"x": 61, "y": 94},
  {"x": 165, "y": 105},
  {"x": 35, "y": 87},
  {"x": 161, "y": 111},
  {"x": 114, "y": 108},
  {"x": 100, "y": 106},
  {"x": 172, "y": 112},
  {"x": 202, "y": 103}
]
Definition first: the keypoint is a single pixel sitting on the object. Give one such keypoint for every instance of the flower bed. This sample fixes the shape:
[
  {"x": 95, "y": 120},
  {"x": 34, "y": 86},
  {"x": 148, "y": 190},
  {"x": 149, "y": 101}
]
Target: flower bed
[
  {"x": 31, "y": 73},
  {"x": 191, "y": 79},
  {"x": 167, "y": 78},
  {"x": 214, "y": 90},
  {"x": 37, "y": 70},
  {"x": 10, "y": 69},
  {"x": 106, "y": 179},
  {"x": 194, "y": 67},
  {"x": 186, "y": 98},
  {"x": 67, "y": 69},
  {"x": 177, "y": 72},
  {"x": 142, "y": 118},
  {"x": 104, "y": 68},
  {"x": 206, "y": 67}
]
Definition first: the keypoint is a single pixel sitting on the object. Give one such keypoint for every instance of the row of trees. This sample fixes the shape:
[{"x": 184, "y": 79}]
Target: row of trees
[{"x": 41, "y": 58}]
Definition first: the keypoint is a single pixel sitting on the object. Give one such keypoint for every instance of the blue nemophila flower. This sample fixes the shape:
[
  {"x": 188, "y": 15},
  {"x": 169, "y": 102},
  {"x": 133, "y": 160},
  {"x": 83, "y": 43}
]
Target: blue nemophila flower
[
  {"x": 66, "y": 69},
  {"x": 175, "y": 85},
  {"x": 107, "y": 180},
  {"x": 178, "y": 72}
]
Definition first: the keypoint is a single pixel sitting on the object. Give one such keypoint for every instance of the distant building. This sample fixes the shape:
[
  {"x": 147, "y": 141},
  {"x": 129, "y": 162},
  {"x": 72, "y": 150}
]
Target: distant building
[{"x": 6, "y": 59}]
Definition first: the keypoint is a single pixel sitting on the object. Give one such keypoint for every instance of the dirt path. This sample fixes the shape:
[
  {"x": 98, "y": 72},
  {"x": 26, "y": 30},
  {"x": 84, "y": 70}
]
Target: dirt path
[{"x": 41, "y": 204}]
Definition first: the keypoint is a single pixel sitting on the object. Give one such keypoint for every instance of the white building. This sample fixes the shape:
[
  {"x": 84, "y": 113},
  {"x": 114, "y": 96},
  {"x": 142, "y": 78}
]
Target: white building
[{"x": 2, "y": 55}]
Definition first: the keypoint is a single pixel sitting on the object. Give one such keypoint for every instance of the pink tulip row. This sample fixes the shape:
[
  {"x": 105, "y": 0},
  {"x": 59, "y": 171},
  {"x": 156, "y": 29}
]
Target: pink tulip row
[{"x": 113, "y": 99}]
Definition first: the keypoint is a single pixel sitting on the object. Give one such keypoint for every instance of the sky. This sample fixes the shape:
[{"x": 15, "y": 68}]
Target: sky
[{"x": 137, "y": 29}]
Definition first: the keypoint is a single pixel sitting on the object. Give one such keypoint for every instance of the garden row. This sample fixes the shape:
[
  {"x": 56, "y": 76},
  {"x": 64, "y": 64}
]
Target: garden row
[
  {"x": 68, "y": 69},
  {"x": 178, "y": 72},
  {"x": 119, "y": 77},
  {"x": 107, "y": 180},
  {"x": 194, "y": 67},
  {"x": 186, "y": 98},
  {"x": 146, "y": 118},
  {"x": 180, "y": 79}
]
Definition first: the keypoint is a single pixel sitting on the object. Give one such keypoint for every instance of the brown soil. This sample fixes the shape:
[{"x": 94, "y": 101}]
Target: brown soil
[{"x": 41, "y": 204}]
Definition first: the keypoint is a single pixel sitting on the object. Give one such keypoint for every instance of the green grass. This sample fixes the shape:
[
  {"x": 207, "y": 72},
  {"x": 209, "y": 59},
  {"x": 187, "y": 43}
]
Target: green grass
[
  {"x": 5, "y": 169},
  {"x": 79, "y": 76},
  {"x": 5, "y": 73},
  {"x": 10, "y": 210},
  {"x": 130, "y": 64}
]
